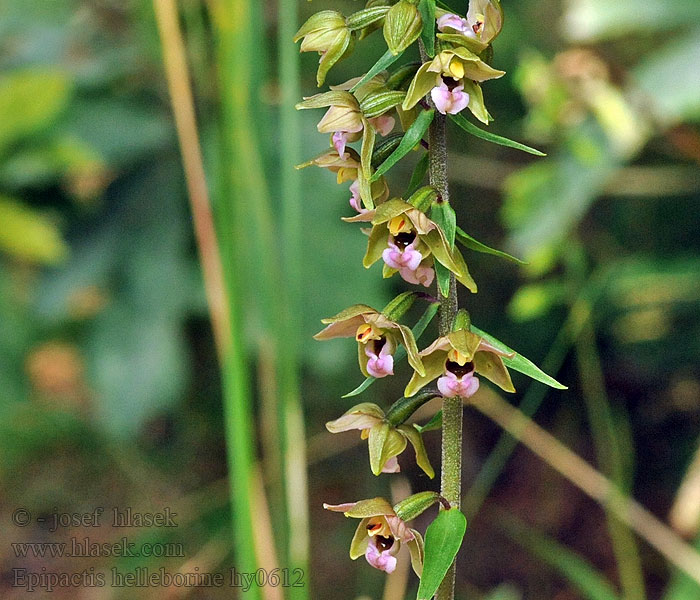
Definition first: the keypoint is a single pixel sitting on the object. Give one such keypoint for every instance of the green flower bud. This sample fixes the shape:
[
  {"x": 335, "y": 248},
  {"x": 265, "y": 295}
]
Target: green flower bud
[
  {"x": 327, "y": 33},
  {"x": 399, "y": 305},
  {"x": 402, "y": 26},
  {"x": 411, "y": 507},
  {"x": 377, "y": 104},
  {"x": 423, "y": 198},
  {"x": 366, "y": 17}
]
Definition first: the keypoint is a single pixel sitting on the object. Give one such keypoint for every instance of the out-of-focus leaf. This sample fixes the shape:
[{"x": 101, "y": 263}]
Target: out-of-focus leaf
[
  {"x": 535, "y": 299},
  {"x": 588, "y": 20},
  {"x": 505, "y": 591},
  {"x": 29, "y": 101},
  {"x": 519, "y": 362},
  {"x": 28, "y": 234},
  {"x": 673, "y": 97},
  {"x": 442, "y": 541},
  {"x": 545, "y": 200},
  {"x": 592, "y": 584}
]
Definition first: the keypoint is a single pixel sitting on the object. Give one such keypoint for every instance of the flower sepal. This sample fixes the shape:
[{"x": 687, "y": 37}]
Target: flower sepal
[
  {"x": 380, "y": 534},
  {"x": 377, "y": 338},
  {"x": 385, "y": 440}
]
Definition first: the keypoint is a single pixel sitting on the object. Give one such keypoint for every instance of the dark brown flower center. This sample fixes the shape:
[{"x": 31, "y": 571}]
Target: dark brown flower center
[
  {"x": 459, "y": 370},
  {"x": 404, "y": 238},
  {"x": 383, "y": 543},
  {"x": 377, "y": 345}
]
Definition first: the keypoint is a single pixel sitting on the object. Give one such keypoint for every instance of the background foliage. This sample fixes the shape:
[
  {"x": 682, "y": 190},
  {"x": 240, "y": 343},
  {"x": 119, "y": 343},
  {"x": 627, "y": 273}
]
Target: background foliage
[{"x": 109, "y": 385}]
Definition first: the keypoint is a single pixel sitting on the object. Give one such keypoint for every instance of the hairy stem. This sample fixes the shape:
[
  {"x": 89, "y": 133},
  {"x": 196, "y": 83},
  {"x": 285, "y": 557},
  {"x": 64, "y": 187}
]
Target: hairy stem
[{"x": 451, "y": 480}]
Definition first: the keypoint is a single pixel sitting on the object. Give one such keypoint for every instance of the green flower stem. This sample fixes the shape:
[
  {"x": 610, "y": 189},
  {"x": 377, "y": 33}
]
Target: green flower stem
[{"x": 451, "y": 479}]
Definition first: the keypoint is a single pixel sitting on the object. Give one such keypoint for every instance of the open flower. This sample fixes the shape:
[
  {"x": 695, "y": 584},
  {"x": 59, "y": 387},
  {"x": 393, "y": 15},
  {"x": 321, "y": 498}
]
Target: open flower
[
  {"x": 483, "y": 23},
  {"x": 386, "y": 441},
  {"x": 377, "y": 338},
  {"x": 448, "y": 100},
  {"x": 457, "y": 72},
  {"x": 408, "y": 241},
  {"x": 380, "y": 534},
  {"x": 455, "y": 359},
  {"x": 347, "y": 167}
]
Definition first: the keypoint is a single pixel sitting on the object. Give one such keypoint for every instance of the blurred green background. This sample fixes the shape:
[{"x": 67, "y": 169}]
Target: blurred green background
[{"x": 110, "y": 389}]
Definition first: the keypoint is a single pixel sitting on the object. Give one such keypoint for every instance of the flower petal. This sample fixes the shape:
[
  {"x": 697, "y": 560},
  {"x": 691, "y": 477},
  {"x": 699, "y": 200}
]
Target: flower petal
[
  {"x": 416, "y": 440},
  {"x": 360, "y": 416},
  {"x": 434, "y": 365},
  {"x": 491, "y": 366}
]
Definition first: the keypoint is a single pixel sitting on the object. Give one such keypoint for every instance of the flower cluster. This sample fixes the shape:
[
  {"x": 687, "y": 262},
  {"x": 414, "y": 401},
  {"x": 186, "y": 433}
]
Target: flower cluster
[{"x": 412, "y": 234}]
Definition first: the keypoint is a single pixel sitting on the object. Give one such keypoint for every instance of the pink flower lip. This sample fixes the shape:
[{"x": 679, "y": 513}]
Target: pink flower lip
[
  {"x": 450, "y": 385},
  {"x": 379, "y": 365},
  {"x": 396, "y": 258},
  {"x": 421, "y": 276},
  {"x": 381, "y": 559},
  {"x": 453, "y": 21},
  {"x": 449, "y": 100}
]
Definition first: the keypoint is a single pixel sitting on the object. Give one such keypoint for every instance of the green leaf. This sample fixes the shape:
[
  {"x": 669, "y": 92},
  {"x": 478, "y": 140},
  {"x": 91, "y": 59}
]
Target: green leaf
[
  {"x": 418, "y": 330},
  {"x": 418, "y": 175},
  {"x": 469, "y": 242},
  {"x": 384, "y": 62},
  {"x": 442, "y": 541},
  {"x": 427, "y": 11},
  {"x": 432, "y": 425},
  {"x": 410, "y": 139},
  {"x": 29, "y": 101},
  {"x": 519, "y": 362},
  {"x": 29, "y": 234},
  {"x": 592, "y": 584},
  {"x": 444, "y": 216},
  {"x": 469, "y": 127}
]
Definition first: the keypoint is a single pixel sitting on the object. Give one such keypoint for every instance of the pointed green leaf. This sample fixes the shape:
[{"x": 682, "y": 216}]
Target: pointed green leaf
[
  {"x": 417, "y": 330},
  {"x": 384, "y": 62},
  {"x": 434, "y": 424},
  {"x": 519, "y": 362},
  {"x": 442, "y": 541},
  {"x": 427, "y": 11},
  {"x": 469, "y": 127},
  {"x": 410, "y": 139},
  {"x": 444, "y": 216},
  {"x": 469, "y": 242}
]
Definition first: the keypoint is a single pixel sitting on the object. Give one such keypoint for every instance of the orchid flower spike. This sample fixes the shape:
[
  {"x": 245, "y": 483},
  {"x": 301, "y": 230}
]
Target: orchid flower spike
[
  {"x": 377, "y": 338},
  {"x": 455, "y": 359},
  {"x": 380, "y": 534},
  {"x": 386, "y": 441},
  {"x": 409, "y": 242}
]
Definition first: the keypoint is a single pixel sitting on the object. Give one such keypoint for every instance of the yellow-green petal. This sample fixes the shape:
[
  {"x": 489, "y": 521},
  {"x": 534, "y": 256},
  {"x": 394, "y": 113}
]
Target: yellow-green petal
[
  {"x": 434, "y": 365},
  {"x": 491, "y": 366},
  {"x": 416, "y": 440},
  {"x": 378, "y": 241}
]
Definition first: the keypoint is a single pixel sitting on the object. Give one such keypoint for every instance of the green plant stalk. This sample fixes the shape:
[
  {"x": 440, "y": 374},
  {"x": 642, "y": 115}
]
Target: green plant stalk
[
  {"x": 451, "y": 477},
  {"x": 290, "y": 194},
  {"x": 244, "y": 223},
  {"x": 221, "y": 290}
]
